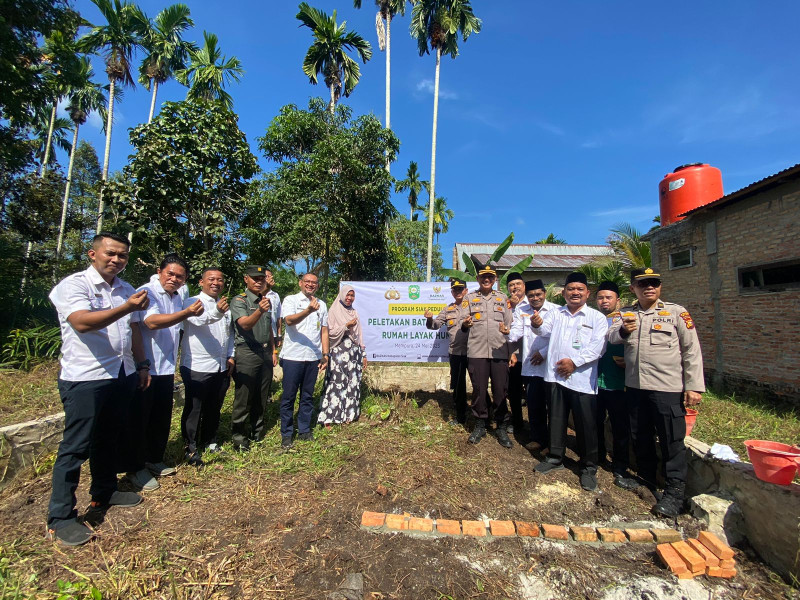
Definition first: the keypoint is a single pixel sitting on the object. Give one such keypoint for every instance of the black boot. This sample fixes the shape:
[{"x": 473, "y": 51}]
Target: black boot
[
  {"x": 502, "y": 437},
  {"x": 478, "y": 432},
  {"x": 671, "y": 503}
]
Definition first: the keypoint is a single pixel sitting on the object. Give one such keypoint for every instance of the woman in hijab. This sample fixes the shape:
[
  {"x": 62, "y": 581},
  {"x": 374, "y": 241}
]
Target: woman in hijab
[{"x": 341, "y": 401}]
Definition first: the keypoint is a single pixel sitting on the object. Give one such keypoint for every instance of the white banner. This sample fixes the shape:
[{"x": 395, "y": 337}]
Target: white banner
[{"x": 392, "y": 320}]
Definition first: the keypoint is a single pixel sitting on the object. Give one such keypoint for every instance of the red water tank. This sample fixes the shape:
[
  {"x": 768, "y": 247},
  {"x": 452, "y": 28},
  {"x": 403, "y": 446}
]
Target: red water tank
[{"x": 688, "y": 187}]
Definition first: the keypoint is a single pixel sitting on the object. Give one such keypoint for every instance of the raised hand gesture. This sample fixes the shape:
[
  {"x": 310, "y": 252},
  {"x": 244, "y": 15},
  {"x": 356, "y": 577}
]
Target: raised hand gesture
[
  {"x": 223, "y": 305},
  {"x": 264, "y": 305},
  {"x": 138, "y": 301}
]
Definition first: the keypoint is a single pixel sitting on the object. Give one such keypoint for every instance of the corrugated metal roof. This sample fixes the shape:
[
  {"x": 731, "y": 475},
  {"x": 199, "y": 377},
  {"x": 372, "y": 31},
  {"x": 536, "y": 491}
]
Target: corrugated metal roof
[
  {"x": 758, "y": 186},
  {"x": 566, "y": 262},
  {"x": 546, "y": 256}
]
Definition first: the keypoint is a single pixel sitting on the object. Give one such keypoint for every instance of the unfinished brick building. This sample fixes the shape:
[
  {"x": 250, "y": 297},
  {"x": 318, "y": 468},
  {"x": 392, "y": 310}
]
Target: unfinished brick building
[{"x": 735, "y": 264}]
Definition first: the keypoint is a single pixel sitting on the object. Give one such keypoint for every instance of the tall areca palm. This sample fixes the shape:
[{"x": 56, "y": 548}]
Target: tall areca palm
[
  {"x": 629, "y": 247},
  {"x": 118, "y": 39},
  {"x": 441, "y": 217},
  {"x": 86, "y": 97},
  {"x": 436, "y": 25},
  {"x": 328, "y": 57},
  {"x": 414, "y": 184},
  {"x": 167, "y": 51},
  {"x": 387, "y": 9},
  {"x": 62, "y": 43},
  {"x": 209, "y": 72}
]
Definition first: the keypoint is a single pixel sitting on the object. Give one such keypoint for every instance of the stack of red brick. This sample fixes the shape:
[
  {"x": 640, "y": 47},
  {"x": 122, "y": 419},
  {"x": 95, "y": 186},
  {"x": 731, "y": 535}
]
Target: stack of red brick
[{"x": 706, "y": 555}]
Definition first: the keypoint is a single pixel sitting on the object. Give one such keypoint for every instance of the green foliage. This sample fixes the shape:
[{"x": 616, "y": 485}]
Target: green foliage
[
  {"x": 183, "y": 189},
  {"x": 167, "y": 51},
  {"x": 414, "y": 184},
  {"x": 471, "y": 269},
  {"x": 209, "y": 72},
  {"x": 435, "y": 24},
  {"x": 78, "y": 590},
  {"x": 629, "y": 247},
  {"x": 27, "y": 347},
  {"x": 551, "y": 239},
  {"x": 407, "y": 249},
  {"x": 328, "y": 199},
  {"x": 33, "y": 208},
  {"x": 328, "y": 57}
]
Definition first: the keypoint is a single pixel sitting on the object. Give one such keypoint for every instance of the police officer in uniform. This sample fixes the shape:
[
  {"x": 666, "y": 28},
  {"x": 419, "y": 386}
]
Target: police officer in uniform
[
  {"x": 254, "y": 357},
  {"x": 664, "y": 372},
  {"x": 488, "y": 321},
  {"x": 451, "y": 316}
]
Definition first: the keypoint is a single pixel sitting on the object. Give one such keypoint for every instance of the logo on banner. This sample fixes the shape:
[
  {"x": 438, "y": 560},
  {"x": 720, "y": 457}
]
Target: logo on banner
[
  {"x": 392, "y": 294},
  {"x": 437, "y": 289},
  {"x": 413, "y": 292}
]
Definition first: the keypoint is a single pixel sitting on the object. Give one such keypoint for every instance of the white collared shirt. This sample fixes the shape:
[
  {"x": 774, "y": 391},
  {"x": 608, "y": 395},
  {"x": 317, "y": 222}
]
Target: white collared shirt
[
  {"x": 580, "y": 337},
  {"x": 95, "y": 354},
  {"x": 183, "y": 291},
  {"x": 207, "y": 339},
  {"x": 531, "y": 343},
  {"x": 303, "y": 342},
  {"x": 161, "y": 345},
  {"x": 274, "y": 311}
]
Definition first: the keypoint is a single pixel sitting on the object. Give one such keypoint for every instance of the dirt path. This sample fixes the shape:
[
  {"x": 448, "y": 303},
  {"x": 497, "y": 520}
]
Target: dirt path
[{"x": 272, "y": 525}]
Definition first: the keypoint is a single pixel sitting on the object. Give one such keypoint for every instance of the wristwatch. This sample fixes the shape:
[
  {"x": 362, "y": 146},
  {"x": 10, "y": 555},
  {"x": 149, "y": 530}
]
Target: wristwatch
[
  {"x": 325, "y": 354},
  {"x": 144, "y": 365}
]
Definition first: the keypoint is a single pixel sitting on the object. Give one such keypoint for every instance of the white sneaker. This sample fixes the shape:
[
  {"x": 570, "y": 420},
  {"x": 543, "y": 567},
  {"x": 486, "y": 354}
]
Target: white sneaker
[
  {"x": 159, "y": 469},
  {"x": 143, "y": 480},
  {"x": 214, "y": 448}
]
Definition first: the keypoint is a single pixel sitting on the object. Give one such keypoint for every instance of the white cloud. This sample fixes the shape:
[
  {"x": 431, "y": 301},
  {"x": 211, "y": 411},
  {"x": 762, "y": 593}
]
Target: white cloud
[
  {"x": 520, "y": 221},
  {"x": 628, "y": 212},
  {"x": 426, "y": 85},
  {"x": 549, "y": 127}
]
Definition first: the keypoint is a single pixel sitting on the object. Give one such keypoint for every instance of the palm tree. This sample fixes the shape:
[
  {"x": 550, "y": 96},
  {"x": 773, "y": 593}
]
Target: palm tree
[
  {"x": 551, "y": 239},
  {"x": 387, "y": 9},
  {"x": 209, "y": 72},
  {"x": 167, "y": 51},
  {"x": 435, "y": 24},
  {"x": 58, "y": 43},
  {"x": 629, "y": 247},
  {"x": 48, "y": 132},
  {"x": 327, "y": 56},
  {"x": 414, "y": 185},
  {"x": 118, "y": 39},
  {"x": 441, "y": 217},
  {"x": 83, "y": 99}
]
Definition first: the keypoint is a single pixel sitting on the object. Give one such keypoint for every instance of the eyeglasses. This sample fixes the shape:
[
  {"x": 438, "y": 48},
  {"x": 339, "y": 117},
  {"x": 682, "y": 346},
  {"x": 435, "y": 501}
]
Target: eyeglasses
[{"x": 646, "y": 283}]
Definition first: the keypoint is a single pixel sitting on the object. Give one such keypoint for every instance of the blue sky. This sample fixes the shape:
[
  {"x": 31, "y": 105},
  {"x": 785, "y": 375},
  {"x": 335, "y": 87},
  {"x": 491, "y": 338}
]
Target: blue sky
[{"x": 557, "y": 117}]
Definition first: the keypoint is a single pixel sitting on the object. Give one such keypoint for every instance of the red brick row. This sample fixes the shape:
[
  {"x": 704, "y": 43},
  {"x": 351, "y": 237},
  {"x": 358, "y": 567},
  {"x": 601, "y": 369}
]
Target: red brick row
[{"x": 706, "y": 555}]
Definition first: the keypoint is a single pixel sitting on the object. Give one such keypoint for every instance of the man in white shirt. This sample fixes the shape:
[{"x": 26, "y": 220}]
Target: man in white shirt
[
  {"x": 275, "y": 307},
  {"x": 534, "y": 350},
  {"x": 151, "y": 412},
  {"x": 577, "y": 340},
  {"x": 101, "y": 346},
  {"x": 206, "y": 365},
  {"x": 304, "y": 353}
]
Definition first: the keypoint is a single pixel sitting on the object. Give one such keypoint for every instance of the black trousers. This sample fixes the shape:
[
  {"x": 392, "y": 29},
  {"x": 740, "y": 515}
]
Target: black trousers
[
  {"x": 480, "y": 371},
  {"x": 253, "y": 379},
  {"x": 148, "y": 423},
  {"x": 458, "y": 383},
  {"x": 584, "y": 409},
  {"x": 516, "y": 389},
  {"x": 92, "y": 420},
  {"x": 662, "y": 414},
  {"x": 621, "y": 409},
  {"x": 205, "y": 393},
  {"x": 538, "y": 398}
]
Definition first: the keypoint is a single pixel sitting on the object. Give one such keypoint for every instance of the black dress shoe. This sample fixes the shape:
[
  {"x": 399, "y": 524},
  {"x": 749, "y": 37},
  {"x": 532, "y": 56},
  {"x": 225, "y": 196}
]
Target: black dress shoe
[
  {"x": 70, "y": 534},
  {"x": 478, "y": 433},
  {"x": 668, "y": 506},
  {"x": 502, "y": 438},
  {"x": 588, "y": 480},
  {"x": 548, "y": 466},
  {"x": 626, "y": 483},
  {"x": 193, "y": 458}
]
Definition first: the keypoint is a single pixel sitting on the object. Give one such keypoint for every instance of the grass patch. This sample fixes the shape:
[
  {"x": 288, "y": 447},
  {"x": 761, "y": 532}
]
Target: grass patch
[
  {"x": 27, "y": 395},
  {"x": 732, "y": 419}
]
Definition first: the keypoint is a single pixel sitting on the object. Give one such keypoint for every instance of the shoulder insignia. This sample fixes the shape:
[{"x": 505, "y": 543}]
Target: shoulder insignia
[
  {"x": 687, "y": 319},
  {"x": 660, "y": 304},
  {"x": 508, "y": 303},
  {"x": 464, "y": 304}
]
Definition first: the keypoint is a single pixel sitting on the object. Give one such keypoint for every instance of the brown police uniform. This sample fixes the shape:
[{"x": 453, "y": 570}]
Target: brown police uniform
[
  {"x": 451, "y": 317},
  {"x": 488, "y": 352},
  {"x": 662, "y": 360}
]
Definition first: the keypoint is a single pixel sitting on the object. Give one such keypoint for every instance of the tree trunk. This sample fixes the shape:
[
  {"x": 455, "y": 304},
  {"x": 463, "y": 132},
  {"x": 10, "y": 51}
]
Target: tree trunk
[
  {"x": 100, "y": 203},
  {"x": 432, "y": 189},
  {"x": 49, "y": 140},
  {"x": 388, "y": 78},
  {"x": 65, "y": 203},
  {"x": 153, "y": 101},
  {"x": 332, "y": 106}
]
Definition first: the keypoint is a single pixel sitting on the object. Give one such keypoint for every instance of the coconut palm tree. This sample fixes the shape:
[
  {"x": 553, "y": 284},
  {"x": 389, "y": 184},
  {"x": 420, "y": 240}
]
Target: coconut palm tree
[
  {"x": 328, "y": 57},
  {"x": 441, "y": 217},
  {"x": 414, "y": 185},
  {"x": 167, "y": 51},
  {"x": 209, "y": 72},
  {"x": 435, "y": 24},
  {"x": 117, "y": 40},
  {"x": 83, "y": 99},
  {"x": 629, "y": 247},
  {"x": 387, "y": 9}
]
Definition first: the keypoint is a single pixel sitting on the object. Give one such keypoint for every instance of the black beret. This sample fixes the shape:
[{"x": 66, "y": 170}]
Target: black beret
[
  {"x": 536, "y": 284},
  {"x": 608, "y": 285},
  {"x": 513, "y": 277},
  {"x": 576, "y": 278}
]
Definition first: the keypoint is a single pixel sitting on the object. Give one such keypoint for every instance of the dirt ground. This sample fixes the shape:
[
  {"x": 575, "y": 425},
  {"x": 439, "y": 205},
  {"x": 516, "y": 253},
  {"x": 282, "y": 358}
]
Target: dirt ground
[{"x": 269, "y": 524}]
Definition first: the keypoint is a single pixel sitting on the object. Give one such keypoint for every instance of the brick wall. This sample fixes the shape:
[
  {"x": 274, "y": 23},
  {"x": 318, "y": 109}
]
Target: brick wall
[{"x": 749, "y": 340}]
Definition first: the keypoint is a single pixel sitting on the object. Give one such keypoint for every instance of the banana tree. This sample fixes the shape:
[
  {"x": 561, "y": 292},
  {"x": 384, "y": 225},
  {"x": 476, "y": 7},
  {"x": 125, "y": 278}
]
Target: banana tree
[{"x": 470, "y": 272}]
